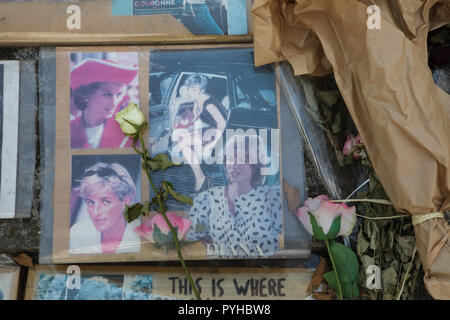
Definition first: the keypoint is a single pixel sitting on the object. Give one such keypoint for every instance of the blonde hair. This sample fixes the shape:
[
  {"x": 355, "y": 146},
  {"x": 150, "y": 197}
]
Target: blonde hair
[{"x": 114, "y": 176}]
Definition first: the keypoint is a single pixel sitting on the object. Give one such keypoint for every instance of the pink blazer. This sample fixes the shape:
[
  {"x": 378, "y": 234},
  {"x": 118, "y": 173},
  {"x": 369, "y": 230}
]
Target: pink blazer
[{"x": 112, "y": 135}]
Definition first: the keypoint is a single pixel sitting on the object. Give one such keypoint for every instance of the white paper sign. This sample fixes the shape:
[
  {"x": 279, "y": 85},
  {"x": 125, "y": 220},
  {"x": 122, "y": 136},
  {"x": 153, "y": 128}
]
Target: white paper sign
[{"x": 9, "y": 109}]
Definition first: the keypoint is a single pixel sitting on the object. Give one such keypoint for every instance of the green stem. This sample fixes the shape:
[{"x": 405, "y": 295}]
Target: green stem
[
  {"x": 172, "y": 229},
  {"x": 327, "y": 242}
]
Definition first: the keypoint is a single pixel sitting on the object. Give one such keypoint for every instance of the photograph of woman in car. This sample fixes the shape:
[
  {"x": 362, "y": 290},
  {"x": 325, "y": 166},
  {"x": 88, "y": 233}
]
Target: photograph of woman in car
[
  {"x": 207, "y": 114},
  {"x": 199, "y": 102}
]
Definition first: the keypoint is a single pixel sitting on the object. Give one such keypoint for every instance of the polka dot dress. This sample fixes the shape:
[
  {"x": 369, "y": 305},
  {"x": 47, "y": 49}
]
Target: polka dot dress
[{"x": 256, "y": 225}]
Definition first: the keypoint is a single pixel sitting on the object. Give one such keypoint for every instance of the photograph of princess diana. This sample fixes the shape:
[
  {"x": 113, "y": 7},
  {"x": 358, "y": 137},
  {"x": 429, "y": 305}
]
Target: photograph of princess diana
[
  {"x": 214, "y": 112},
  {"x": 1, "y": 117},
  {"x": 101, "y": 84},
  {"x": 53, "y": 286},
  {"x": 102, "y": 185}
]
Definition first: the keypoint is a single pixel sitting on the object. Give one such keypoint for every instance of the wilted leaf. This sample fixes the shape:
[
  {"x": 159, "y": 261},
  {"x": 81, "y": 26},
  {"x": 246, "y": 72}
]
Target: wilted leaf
[
  {"x": 329, "y": 98},
  {"x": 336, "y": 125},
  {"x": 317, "y": 276},
  {"x": 405, "y": 247},
  {"x": 323, "y": 296},
  {"x": 161, "y": 162},
  {"x": 390, "y": 243},
  {"x": 374, "y": 235},
  {"x": 367, "y": 261},
  {"x": 292, "y": 196},
  {"x": 362, "y": 244},
  {"x": 132, "y": 212},
  {"x": 389, "y": 278},
  {"x": 24, "y": 260},
  {"x": 168, "y": 187},
  {"x": 309, "y": 93}
]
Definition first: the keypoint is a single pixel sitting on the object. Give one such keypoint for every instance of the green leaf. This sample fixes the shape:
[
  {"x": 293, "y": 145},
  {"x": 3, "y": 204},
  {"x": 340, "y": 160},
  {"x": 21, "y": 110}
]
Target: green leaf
[
  {"x": 132, "y": 212},
  {"x": 317, "y": 231},
  {"x": 347, "y": 267},
  {"x": 177, "y": 196},
  {"x": 335, "y": 228},
  {"x": 346, "y": 262},
  {"x": 161, "y": 162},
  {"x": 163, "y": 240},
  {"x": 146, "y": 208},
  {"x": 331, "y": 280}
]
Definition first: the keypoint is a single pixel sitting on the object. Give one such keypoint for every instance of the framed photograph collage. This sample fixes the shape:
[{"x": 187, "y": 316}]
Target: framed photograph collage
[
  {"x": 197, "y": 98},
  {"x": 124, "y": 21},
  {"x": 17, "y": 138},
  {"x": 164, "y": 283}
]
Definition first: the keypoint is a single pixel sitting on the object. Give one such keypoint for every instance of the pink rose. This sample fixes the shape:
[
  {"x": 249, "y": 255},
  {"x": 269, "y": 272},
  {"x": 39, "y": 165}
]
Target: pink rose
[
  {"x": 349, "y": 145},
  {"x": 325, "y": 212},
  {"x": 353, "y": 145},
  {"x": 145, "y": 230}
]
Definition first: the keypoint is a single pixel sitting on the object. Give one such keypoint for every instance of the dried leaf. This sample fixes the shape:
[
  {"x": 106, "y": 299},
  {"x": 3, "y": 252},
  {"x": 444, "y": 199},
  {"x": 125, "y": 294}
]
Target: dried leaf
[
  {"x": 24, "y": 260},
  {"x": 317, "y": 277},
  {"x": 309, "y": 93},
  {"x": 323, "y": 296},
  {"x": 374, "y": 235},
  {"x": 362, "y": 245},
  {"x": 329, "y": 98},
  {"x": 389, "y": 278},
  {"x": 292, "y": 196}
]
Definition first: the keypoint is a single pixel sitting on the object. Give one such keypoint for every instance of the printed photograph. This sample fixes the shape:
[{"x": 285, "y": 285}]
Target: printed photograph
[
  {"x": 9, "y": 126},
  {"x": 92, "y": 287},
  {"x": 6, "y": 279},
  {"x": 214, "y": 112},
  {"x": 137, "y": 287},
  {"x": 101, "y": 84},
  {"x": 213, "y": 17},
  {"x": 1, "y": 119},
  {"x": 102, "y": 185}
]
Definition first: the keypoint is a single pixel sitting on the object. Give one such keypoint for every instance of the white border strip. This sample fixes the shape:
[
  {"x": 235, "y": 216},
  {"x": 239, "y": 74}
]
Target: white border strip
[{"x": 10, "y": 138}]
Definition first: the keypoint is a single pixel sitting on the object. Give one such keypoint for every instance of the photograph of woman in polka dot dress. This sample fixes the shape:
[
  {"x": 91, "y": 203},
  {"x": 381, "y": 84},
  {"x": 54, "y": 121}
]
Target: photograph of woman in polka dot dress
[{"x": 214, "y": 112}]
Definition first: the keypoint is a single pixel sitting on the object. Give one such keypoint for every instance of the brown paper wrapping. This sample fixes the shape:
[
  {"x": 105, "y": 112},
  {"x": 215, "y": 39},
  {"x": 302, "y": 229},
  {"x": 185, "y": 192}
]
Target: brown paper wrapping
[{"x": 384, "y": 78}]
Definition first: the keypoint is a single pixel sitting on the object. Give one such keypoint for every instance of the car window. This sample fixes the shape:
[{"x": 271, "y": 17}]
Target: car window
[
  {"x": 256, "y": 91},
  {"x": 216, "y": 87},
  {"x": 159, "y": 84}
]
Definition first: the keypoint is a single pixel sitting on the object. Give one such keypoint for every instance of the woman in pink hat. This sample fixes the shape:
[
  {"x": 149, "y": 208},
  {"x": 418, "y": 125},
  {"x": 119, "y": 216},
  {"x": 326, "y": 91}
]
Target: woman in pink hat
[{"x": 96, "y": 90}]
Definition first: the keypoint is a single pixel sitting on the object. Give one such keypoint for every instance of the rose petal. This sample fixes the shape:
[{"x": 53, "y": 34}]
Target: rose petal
[
  {"x": 311, "y": 205},
  {"x": 131, "y": 114},
  {"x": 302, "y": 215},
  {"x": 348, "y": 219},
  {"x": 325, "y": 215}
]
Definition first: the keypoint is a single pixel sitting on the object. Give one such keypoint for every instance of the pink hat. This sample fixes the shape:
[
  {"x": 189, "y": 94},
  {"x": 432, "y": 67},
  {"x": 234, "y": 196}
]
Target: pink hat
[{"x": 95, "y": 70}]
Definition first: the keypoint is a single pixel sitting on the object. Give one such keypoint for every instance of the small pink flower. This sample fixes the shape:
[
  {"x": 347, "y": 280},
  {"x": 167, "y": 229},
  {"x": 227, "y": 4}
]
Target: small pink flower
[
  {"x": 145, "y": 230},
  {"x": 349, "y": 145},
  {"x": 325, "y": 212},
  {"x": 353, "y": 145},
  {"x": 176, "y": 221}
]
